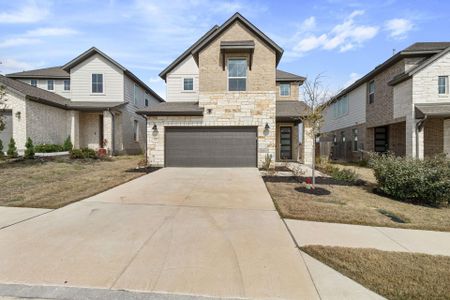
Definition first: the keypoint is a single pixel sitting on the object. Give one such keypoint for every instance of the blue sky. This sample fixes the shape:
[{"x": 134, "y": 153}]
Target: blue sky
[{"x": 342, "y": 39}]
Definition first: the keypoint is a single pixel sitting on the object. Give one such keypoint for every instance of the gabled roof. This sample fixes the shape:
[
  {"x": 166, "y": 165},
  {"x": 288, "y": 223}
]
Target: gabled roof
[
  {"x": 47, "y": 73},
  {"x": 173, "y": 109},
  {"x": 288, "y": 77},
  {"x": 238, "y": 17},
  {"x": 186, "y": 53},
  {"x": 92, "y": 51},
  {"x": 48, "y": 98}
]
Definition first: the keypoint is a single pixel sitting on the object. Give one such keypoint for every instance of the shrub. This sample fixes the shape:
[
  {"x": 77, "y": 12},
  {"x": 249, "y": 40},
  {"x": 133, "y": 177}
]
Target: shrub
[
  {"x": 68, "y": 144},
  {"x": 29, "y": 151},
  {"x": 412, "y": 180},
  {"x": 48, "y": 148},
  {"x": 2, "y": 154},
  {"x": 12, "y": 150},
  {"x": 339, "y": 174},
  {"x": 82, "y": 153},
  {"x": 267, "y": 162}
]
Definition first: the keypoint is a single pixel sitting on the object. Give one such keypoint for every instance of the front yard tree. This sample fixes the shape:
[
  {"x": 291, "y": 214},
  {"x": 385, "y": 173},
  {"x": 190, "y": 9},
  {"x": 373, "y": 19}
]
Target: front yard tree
[
  {"x": 12, "y": 150},
  {"x": 315, "y": 96},
  {"x": 29, "y": 149},
  {"x": 2, "y": 154}
]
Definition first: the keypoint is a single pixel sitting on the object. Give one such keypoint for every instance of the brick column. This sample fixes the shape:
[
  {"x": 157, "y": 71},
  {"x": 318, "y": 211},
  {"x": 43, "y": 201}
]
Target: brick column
[
  {"x": 414, "y": 139},
  {"x": 108, "y": 130}
]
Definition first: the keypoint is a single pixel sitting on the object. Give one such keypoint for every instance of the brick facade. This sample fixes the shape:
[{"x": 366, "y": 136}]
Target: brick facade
[{"x": 433, "y": 137}]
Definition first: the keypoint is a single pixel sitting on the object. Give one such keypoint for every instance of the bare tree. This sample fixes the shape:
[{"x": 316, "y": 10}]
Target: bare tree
[
  {"x": 2, "y": 106},
  {"x": 315, "y": 96}
]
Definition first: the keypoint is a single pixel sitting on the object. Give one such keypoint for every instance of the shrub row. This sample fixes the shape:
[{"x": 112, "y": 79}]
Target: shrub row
[
  {"x": 412, "y": 180},
  {"x": 83, "y": 153}
]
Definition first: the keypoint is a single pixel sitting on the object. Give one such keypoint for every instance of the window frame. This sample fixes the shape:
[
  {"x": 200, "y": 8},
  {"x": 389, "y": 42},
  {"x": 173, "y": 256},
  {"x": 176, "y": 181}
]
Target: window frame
[
  {"x": 289, "y": 89},
  {"x": 240, "y": 77},
  {"x": 102, "y": 82},
  {"x": 52, "y": 83},
  {"x": 146, "y": 102},
  {"x": 183, "y": 82},
  {"x": 35, "y": 81},
  {"x": 445, "y": 85},
  {"x": 341, "y": 107},
  {"x": 66, "y": 81},
  {"x": 371, "y": 94}
]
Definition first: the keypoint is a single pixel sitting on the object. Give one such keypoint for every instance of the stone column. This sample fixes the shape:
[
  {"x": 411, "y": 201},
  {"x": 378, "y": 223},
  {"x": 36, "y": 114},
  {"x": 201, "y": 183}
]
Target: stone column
[
  {"x": 414, "y": 139},
  {"x": 447, "y": 137},
  {"x": 308, "y": 143},
  {"x": 108, "y": 130},
  {"x": 74, "y": 128}
]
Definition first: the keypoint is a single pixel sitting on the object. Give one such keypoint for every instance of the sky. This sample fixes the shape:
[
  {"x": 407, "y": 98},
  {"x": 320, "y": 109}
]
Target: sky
[{"x": 340, "y": 39}]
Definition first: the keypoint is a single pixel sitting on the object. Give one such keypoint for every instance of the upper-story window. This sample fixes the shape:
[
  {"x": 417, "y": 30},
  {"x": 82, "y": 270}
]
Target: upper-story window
[
  {"x": 136, "y": 131},
  {"x": 33, "y": 82},
  {"x": 443, "y": 85},
  {"x": 97, "y": 83},
  {"x": 340, "y": 107},
  {"x": 237, "y": 74},
  {"x": 135, "y": 94},
  {"x": 67, "y": 85},
  {"x": 50, "y": 85},
  {"x": 371, "y": 91},
  {"x": 188, "y": 84},
  {"x": 285, "y": 89},
  {"x": 146, "y": 102}
]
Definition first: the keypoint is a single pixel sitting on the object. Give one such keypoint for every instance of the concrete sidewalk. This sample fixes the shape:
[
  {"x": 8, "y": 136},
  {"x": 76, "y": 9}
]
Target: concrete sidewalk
[
  {"x": 14, "y": 215},
  {"x": 358, "y": 236}
]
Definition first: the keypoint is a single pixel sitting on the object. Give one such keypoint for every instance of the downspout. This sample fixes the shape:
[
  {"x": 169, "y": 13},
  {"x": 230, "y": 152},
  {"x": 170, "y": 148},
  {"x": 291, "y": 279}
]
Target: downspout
[{"x": 419, "y": 127}]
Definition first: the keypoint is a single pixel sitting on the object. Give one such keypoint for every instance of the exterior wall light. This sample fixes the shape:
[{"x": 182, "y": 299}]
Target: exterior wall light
[
  {"x": 18, "y": 114},
  {"x": 209, "y": 110},
  {"x": 267, "y": 127},
  {"x": 154, "y": 128}
]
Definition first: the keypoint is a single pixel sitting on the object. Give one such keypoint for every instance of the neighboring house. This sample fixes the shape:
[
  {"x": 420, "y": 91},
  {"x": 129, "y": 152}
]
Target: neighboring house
[
  {"x": 227, "y": 104},
  {"x": 92, "y": 99},
  {"x": 402, "y": 106}
]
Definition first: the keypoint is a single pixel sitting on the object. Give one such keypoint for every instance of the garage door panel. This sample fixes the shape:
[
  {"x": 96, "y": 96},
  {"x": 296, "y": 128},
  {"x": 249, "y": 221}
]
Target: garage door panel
[{"x": 210, "y": 147}]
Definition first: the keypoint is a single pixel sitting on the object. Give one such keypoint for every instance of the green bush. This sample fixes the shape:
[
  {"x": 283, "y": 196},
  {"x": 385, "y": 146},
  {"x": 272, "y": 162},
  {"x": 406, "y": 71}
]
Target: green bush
[
  {"x": 68, "y": 144},
  {"x": 339, "y": 174},
  {"x": 48, "y": 148},
  {"x": 82, "y": 153},
  {"x": 29, "y": 151},
  {"x": 2, "y": 154},
  {"x": 12, "y": 150},
  {"x": 412, "y": 180}
]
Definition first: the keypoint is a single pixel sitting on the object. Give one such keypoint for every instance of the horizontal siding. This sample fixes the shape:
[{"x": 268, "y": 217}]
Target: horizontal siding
[
  {"x": 403, "y": 99},
  {"x": 81, "y": 77},
  {"x": 356, "y": 112},
  {"x": 174, "y": 81},
  {"x": 58, "y": 86}
]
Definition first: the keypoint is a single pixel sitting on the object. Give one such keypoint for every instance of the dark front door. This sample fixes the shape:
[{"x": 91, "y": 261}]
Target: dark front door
[
  {"x": 381, "y": 139},
  {"x": 210, "y": 146},
  {"x": 286, "y": 142}
]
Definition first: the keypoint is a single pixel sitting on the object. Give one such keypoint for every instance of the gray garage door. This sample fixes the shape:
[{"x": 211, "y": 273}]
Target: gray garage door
[
  {"x": 6, "y": 134},
  {"x": 210, "y": 147}
]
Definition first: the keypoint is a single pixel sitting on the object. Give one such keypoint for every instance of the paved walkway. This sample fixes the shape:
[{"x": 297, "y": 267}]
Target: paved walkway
[
  {"x": 12, "y": 215},
  {"x": 210, "y": 232},
  {"x": 382, "y": 238}
]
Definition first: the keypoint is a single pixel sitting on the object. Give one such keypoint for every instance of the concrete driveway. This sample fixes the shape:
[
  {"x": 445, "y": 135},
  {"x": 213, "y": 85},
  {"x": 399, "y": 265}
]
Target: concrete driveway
[{"x": 212, "y": 232}]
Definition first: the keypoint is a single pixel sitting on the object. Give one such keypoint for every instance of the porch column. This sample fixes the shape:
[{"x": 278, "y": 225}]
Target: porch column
[
  {"x": 308, "y": 143},
  {"x": 414, "y": 139},
  {"x": 74, "y": 128},
  {"x": 447, "y": 137},
  {"x": 108, "y": 131}
]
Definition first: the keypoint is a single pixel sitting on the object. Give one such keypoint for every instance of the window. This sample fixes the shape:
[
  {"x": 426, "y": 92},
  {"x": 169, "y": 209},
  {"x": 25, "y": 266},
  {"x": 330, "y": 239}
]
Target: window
[
  {"x": 285, "y": 89},
  {"x": 355, "y": 139},
  {"x": 340, "y": 107},
  {"x": 334, "y": 139},
  {"x": 97, "y": 83},
  {"x": 146, "y": 102},
  {"x": 67, "y": 85},
  {"x": 136, "y": 131},
  {"x": 371, "y": 91},
  {"x": 443, "y": 85},
  {"x": 237, "y": 74},
  {"x": 50, "y": 85},
  {"x": 188, "y": 84},
  {"x": 135, "y": 94},
  {"x": 33, "y": 82}
]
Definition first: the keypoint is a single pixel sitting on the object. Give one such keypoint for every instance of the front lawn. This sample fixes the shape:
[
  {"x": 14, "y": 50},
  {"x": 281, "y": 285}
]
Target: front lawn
[
  {"x": 394, "y": 275},
  {"x": 338, "y": 202},
  {"x": 54, "y": 183}
]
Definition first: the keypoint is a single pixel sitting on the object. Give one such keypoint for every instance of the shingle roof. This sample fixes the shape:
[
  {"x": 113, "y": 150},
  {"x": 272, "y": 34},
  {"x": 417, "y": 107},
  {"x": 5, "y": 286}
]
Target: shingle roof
[
  {"x": 48, "y": 98},
  {"x": 173, "y": 109},
  {"x": 50, "y": 73},
  {"x": 286, "y": 76},
  {"x": 291, "y": 109},
  {"x": 427, "y": 46}
]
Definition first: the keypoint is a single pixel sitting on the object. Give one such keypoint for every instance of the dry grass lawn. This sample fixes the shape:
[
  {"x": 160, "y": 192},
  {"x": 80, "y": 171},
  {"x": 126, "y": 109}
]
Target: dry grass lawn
[
  {"x": 55, "y": 183},
  {"x": 394, "y": 275},
  {"x": 352, "y": 205}
]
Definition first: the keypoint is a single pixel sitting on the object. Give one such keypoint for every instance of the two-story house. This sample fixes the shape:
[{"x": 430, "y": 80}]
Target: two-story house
[
  {"x": 402, "y": 106},
  {"x": 227, "y": 105},
  {"x": 93, "y": 99}
]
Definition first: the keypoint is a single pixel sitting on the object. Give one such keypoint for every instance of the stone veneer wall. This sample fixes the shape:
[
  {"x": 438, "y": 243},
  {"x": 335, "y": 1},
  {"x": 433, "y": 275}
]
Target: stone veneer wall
[
  {"x": 433, "y": 137},
  {"x": 227, "y": 109}
]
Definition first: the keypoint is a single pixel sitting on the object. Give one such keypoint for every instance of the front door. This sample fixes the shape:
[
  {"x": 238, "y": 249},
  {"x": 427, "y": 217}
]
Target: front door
[
  {"x": 285, "y": 143},
  {"x": 381, "y": 139}
]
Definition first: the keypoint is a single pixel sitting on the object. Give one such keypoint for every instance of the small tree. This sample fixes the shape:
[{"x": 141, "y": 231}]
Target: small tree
[
  {"x": 12, "y": 150},
  {"x": 315, "y": 96},
  {"x": 2, "y": 154},
  {"x": 68, "y": 146},
  {"x": 2, "y": 107},
  {"x": 29, "y": 151}
]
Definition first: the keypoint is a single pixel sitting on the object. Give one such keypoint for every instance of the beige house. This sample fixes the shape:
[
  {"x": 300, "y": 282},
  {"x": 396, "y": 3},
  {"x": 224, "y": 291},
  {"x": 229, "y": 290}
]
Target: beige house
[
  {"x": 227, "y": 104},
  {"x": 402, "y": 106},
  {"x": 92, "y": 99}
]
